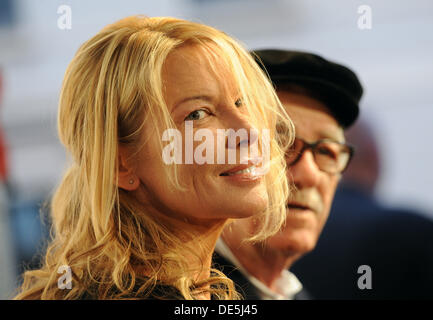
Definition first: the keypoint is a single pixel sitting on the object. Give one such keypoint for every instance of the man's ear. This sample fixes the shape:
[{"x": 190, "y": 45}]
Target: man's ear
[{"x": 127, "y": 179}]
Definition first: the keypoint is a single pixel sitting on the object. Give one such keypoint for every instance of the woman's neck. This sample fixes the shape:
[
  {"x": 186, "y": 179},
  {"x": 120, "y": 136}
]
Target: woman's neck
[{"x": 199, "y": 247}]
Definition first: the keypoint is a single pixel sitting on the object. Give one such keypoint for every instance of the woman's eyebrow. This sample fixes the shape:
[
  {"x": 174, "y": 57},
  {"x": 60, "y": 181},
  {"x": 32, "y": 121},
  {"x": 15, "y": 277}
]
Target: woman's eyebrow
[{"x": 198, "y": 97}]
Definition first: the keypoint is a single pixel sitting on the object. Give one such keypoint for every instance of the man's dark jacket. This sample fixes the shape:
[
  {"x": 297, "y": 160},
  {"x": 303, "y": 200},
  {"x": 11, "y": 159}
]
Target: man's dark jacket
[{"x": 242, "y": 284}]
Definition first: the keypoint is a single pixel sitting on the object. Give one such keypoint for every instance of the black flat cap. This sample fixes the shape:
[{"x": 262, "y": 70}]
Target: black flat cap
[{"x": 335, "y": 85}]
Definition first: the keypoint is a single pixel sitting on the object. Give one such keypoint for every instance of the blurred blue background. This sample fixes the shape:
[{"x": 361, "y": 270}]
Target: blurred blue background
[{"x": 393, "y": 60}]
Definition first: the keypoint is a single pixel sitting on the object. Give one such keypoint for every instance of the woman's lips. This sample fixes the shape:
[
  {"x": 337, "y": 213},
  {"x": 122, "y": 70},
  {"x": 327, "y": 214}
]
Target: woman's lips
[
  {"x": 246, "y": 172},
  {"x": 238, "y": 170},
  {"x": 252, "y": 169}
]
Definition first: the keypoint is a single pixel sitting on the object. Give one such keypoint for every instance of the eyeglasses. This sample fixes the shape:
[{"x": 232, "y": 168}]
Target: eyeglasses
[{"x": 330, "y": 156}]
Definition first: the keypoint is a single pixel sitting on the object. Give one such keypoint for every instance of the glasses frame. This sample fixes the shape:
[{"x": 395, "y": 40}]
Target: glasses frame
[{"x": 306, "y": 145}]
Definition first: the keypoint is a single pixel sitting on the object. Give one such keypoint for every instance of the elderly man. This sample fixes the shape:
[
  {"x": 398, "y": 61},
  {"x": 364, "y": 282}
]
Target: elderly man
[
  {"x": 322, "y": 99},
  {"x": 394, "y": 241}
]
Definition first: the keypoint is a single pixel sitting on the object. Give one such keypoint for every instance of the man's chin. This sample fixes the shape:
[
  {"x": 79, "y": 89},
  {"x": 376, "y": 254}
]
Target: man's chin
[
  {"x": 301, "y": 244},
  {"x": 301, "y": 218},
  {"x": 295, "y": 239}
]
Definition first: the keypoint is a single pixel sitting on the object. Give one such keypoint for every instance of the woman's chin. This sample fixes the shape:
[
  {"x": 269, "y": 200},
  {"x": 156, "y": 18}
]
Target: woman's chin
[{"x": 248, "y": 206}]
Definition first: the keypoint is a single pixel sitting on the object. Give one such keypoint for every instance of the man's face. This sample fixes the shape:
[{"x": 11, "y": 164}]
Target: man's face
[{"x": 309, "y": 205}]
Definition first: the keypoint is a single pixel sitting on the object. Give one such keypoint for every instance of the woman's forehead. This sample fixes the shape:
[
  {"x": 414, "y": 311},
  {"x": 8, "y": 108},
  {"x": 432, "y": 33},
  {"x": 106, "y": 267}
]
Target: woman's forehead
[
  {"x": 193, "y": 70},
  {"x": 208, "y": 56}
]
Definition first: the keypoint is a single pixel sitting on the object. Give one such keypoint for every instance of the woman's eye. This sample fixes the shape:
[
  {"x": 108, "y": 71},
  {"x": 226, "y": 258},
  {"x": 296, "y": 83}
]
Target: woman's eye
[
  {"x": 239, "y": 102},
  {"x": 196, "y": 115}
]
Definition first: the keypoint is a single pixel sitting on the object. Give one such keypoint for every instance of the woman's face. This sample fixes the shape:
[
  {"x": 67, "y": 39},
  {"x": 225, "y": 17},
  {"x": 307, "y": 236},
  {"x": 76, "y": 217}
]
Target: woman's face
[{"x": 213, "y": 191}]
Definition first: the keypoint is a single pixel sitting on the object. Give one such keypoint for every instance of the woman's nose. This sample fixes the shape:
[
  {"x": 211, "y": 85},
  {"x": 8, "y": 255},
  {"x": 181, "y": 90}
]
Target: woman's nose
[{"x": 240, "y": 132}]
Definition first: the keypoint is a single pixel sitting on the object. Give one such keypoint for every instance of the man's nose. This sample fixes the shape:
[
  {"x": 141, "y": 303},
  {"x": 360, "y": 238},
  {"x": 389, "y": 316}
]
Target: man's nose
[{"x": 305, "y": 173}]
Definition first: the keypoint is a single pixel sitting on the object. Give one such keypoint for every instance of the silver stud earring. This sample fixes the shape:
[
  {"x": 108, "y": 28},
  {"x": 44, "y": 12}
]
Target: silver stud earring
[{"x": 131, "y": 181}]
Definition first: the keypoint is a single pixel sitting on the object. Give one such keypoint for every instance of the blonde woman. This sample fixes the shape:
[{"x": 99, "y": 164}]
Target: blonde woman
[{"x": 127, "y": 224}]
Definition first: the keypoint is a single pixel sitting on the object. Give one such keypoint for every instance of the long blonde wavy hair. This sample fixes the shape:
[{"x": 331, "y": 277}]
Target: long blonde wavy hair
[{"x": 111, "y": 90}]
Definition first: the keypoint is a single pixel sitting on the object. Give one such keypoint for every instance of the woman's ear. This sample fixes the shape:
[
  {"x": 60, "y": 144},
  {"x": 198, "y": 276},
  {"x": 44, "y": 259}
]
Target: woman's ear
[{"x": 127, "y": 179}]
